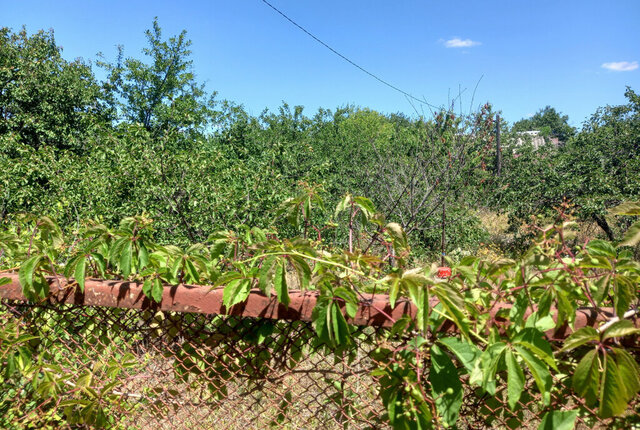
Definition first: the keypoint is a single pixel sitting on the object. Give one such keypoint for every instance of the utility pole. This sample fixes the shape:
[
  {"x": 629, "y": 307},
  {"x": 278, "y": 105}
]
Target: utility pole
[{"x": 498, "y": 148}]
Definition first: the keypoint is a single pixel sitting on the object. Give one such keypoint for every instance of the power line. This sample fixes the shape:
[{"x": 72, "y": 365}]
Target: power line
[{"x": 377, "y": 78}]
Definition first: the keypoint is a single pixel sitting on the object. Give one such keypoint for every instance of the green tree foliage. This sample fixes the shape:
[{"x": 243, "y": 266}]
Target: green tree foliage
[
  {"x": 162, "y": 94},
  {"x": 549, "y": 122},
  {"x": 600, "y": 167},
  {"x": 596, "y": 169},
  {"x": 45, "y": 101}
]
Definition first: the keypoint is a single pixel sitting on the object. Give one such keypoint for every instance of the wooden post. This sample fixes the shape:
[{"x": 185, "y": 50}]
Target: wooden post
[
  {"x": 442, "y": 239},
  {"x": 498, "y": 148}
]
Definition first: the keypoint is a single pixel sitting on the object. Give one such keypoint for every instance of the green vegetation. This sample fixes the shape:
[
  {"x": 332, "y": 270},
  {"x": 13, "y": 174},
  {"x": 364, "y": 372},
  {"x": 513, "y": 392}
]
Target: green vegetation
[
  {"x": 549, "y": 123},
  {"x": 148, "y": 178}
]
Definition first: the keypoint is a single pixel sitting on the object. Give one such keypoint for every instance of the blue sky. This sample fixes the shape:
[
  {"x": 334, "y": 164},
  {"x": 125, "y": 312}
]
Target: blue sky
[{"x": 522, "y": 55}]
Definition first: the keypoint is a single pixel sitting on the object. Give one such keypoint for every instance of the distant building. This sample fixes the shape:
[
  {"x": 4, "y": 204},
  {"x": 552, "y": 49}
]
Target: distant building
[{"x": 536, "y": 139}]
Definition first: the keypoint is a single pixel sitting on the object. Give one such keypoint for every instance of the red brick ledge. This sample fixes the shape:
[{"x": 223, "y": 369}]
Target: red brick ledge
[
  {"x": 206, "y": 300},
  {"x": 374, "y": 311}
]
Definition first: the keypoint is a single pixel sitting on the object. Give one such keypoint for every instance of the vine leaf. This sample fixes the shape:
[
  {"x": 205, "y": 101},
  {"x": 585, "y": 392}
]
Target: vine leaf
[
  {"x": 515, "y": 379},
  {"x": 453, "y": 303},
  {"x": 620, "y": 329},
  {"x": 125, "y": 260},
  {"x": 586, "y": 377},
  {"x": 445, "y": 386},
  {"x": 632, "y": 236},
  {"x": 558, "y": 420},
  {"x": 533, "y": 339},
  {"x": 466, "y": 352},
  {"x": 79, "y": 273},
  {"x": 626, "y": 208},
  {"x": 539, "y": 370},
  {"x": 26, "y": 274},
  {"x": 236, "y": 292},
  {"x": 625, "y": 292},
  {"x": 280, "y": 283},
  {"x": 265, "y": 275},
  {"x": 580, "y": 337},
  {"x": 613, "y": 389},
  {"x": 601, "y": 248},
  {"x": 157, "y": 290}
]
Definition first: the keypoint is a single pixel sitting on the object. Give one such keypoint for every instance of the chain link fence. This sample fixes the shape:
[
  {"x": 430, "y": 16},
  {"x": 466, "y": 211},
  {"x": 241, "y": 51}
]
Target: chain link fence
[{"x": 149, "y": 369}]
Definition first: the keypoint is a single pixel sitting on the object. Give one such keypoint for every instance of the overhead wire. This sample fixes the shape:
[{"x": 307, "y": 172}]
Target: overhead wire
[{"x": 374, "y": 76}]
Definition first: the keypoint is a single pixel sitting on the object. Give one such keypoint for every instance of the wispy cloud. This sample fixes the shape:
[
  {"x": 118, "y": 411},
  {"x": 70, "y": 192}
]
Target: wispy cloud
[
  {"x": 456, "y": 42},
  {"x": 621, "y": 66}
]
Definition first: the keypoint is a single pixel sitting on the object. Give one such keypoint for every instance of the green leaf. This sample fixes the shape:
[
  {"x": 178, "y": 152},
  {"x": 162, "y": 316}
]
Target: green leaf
[
  {"x": 453, "y": 303},
  {"x": 25, "y": 274},
  {"x": 4, "y": 281},
  {"x": 175, "y": 269},
  {"x": 586, "y": 377},
  {"x": 280, "y": 283},
  {"x": 619, "y": 329},
  {"x": 625, "y": 291},
  {"x": 466, "y": 352},
  {"x": 192, "y": 271},
  {"x": 341, "y": 333},
  {"x": 515, "y": 379},
  {"x": 538, "y": 369},
  {"x": 265, "y": 275},
  {"x": 602, "y": 287},
  {"x": 306, "y": 210},
  {"x": 143, "y": 256},
  {"x": 302, "y": 270},
  {"x": 534, "y": 340},
  {"x": 613, "y": 391},
  {"x": 218, "y": 249},
  {"x": 350, "y": 300},
  {"x": 319, "y": 317},
  {"x": 631, "y": 236},
  {"x": 394, "y": 289},
  {"x": 125, "y": 260},
  {"x": 601, "y": 248},
  {"x": 116, "y": 249},
  {"x": 146, "y": 288},
  {"x": 626, "y": 208},
  {"x": 235, "y": 292},
  {"x": 400, "y": 326},
  {"x": 580, "y": 337},
  {"x": 445, "y": 385},
  {"x": 398, "y": 236},
  {"x": 488, "y": 363},
  {"x": 80, "y": 272},
  {"x": 366, "y": 206},
  {"x": 558, "y": 420},
  {"x": 629, "y": 372},
  {"x": 157, "y": 290},
  {"x": 344, "y": 203},
  {"x": 70, "y": 266},
  {"x": 100, "y": 263}
]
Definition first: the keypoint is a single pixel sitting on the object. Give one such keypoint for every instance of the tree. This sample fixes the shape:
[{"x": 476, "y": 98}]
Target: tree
[
  {"x": 600, "y": 167},
  {"x": 595, "y": 170},
  {"x": 44, "y": 99},
  {"x": 162, "y": 94},
  {"x": 549, "y": 122}
]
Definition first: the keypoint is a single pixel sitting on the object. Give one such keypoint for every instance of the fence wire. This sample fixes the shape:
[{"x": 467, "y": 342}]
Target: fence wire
[{"x": 128, "y": 368}]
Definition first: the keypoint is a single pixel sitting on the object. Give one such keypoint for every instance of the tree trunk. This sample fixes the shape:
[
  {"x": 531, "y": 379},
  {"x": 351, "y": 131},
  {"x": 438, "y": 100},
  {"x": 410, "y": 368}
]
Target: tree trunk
[{"x": 602, "y": 223}]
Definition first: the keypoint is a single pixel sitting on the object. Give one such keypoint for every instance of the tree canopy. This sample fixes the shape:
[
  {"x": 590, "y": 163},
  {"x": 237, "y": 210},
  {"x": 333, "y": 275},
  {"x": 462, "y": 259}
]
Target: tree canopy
[{"x": 549, "y": 122}]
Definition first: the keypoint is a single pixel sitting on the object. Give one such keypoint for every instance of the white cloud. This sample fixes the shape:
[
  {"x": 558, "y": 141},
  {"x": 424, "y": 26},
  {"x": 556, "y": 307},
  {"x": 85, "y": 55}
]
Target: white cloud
[
  {"x": 456, "y": 42},
  {"x": 621, "y": 66}
]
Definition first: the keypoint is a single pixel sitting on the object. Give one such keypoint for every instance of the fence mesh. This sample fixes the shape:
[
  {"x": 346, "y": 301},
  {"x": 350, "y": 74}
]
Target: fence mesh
[{"x": 128, "y": 368}]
